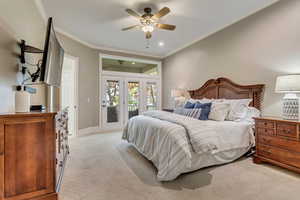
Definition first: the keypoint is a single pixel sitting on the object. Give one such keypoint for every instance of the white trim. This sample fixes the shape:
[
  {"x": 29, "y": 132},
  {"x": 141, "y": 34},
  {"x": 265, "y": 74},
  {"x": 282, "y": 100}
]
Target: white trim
[{"x": 94, "y": 130}]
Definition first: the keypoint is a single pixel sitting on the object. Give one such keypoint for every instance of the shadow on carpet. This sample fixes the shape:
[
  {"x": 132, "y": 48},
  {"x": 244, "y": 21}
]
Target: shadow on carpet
[{"x": 146, "y": 171}]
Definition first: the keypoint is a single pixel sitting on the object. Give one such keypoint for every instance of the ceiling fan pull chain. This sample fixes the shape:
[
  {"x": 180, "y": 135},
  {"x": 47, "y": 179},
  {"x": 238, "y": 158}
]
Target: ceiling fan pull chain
[{"x": 148, "y": 43}]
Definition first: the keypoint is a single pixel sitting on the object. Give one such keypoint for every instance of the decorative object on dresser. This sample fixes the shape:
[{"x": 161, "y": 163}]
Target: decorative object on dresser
[
  {"x": 290, "y": 85},
  {"x": 28, "y": 143},
  {"x": 178, "y": 97},
  {"x": 278, "y": 142},
  {"x": 22, "y": 100}
]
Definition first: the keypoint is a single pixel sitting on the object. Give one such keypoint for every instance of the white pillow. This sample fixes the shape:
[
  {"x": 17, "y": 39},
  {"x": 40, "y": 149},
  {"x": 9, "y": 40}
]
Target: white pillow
[
  {"x": 251, "y": 113},
  {"x": 219, "y": 111},
  {"x": 238, "y": 108}
]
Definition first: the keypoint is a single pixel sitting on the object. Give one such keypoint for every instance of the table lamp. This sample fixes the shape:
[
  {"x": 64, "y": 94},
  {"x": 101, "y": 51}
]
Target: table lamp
[
  {"x": 178, "y": 96},
  {"x": 290, "y": 85}
]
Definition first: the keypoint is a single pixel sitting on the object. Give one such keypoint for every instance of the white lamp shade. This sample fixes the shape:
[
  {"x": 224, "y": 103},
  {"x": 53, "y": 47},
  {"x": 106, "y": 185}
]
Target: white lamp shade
[
  {"x": 176, "y": 93},
  {"x": 288, "y": 84}
]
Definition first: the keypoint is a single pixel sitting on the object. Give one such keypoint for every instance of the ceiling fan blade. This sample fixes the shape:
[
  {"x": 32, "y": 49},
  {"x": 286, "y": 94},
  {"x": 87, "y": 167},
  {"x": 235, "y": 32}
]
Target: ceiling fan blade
[
  {"x": 148, "y": 35},
  {"x": 166, "y": 27},
  {"x": 130, "y": 27},
  {"x": 164, "y": 11},
  {"x": 133, "y": 13}
]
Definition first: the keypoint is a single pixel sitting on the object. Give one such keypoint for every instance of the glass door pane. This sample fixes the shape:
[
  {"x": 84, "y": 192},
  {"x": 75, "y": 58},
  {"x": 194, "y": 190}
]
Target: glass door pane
[
  {"x": 151, "y": 96},
  {"x": 111, "y": 102},
  {"x": 133, "y": 98}
]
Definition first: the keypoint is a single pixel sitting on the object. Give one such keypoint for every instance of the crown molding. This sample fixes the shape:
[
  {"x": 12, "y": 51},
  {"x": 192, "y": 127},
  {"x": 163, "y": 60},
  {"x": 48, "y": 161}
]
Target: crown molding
[
  {"x": 213, "y": 32},
  {"x": 42, "y": 11},
  {"x": 101, "y": 48}
]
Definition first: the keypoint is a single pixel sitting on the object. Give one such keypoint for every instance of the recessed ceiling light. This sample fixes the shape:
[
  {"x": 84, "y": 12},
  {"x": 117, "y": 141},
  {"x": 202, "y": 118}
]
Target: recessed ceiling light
[{"x": 161, "y": 44}]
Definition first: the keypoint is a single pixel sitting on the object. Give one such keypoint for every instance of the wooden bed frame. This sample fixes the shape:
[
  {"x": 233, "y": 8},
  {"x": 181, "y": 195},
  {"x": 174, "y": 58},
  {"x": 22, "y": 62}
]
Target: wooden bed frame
[{"x": 223, "y": 88}]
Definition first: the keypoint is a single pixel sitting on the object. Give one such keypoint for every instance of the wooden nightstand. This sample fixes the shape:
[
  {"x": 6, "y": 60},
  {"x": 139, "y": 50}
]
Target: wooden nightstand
[{"x": 278, "y": 142}]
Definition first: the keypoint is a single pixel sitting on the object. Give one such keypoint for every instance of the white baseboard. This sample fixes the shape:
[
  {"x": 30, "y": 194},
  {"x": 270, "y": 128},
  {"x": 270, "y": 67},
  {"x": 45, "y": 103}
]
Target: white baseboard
[
  {"x": 95, "y": 129},
  {"x": 88, "y": 130}
]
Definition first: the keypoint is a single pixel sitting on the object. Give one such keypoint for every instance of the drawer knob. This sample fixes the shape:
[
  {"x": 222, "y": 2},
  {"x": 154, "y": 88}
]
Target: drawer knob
[{"x": 265, "y": 123}]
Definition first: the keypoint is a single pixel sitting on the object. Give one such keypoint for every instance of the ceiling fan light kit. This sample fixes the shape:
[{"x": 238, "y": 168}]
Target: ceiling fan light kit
[{"x": 149, "y": 21}]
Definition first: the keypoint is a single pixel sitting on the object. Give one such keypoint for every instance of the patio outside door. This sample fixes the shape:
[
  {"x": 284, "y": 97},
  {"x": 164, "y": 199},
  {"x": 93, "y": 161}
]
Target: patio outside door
[{"x": 124, "y": 98}]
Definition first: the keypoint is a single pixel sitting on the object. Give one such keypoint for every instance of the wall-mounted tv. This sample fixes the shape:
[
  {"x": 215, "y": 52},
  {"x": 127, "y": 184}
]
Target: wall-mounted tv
[{"x": 53, "y": 56}]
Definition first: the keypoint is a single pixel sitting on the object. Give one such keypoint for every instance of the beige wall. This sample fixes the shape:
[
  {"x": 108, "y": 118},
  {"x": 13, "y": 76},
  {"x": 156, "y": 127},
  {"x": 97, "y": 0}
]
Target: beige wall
[
  {"x": 88, "y": 81},
  {"x": 19, "y": 19},
  {"x": 89, "y": 97},
  {"x": 255, "y": 50}
]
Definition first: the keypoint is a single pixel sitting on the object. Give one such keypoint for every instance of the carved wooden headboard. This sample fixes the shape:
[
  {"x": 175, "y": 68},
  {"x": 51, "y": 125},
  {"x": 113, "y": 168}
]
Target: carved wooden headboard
[{"x": 223, "y": 88}]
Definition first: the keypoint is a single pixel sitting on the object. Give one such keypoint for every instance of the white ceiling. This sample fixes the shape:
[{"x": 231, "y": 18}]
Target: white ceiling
[{"x": 98, "y": 23}]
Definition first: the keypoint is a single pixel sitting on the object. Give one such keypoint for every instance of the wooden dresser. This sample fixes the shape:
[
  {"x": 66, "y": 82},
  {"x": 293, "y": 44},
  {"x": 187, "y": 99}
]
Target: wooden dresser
[
  {"x": 28, "y": 156},
  {"x": 278, "y": 142}
]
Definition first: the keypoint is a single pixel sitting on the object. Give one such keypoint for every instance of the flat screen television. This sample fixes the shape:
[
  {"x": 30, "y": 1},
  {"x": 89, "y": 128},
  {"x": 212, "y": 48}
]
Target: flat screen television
[{"x": 53, "y": 56}]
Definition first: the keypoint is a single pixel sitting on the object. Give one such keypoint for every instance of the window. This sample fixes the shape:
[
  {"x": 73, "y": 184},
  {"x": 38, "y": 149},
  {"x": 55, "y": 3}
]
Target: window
[{"x": 117, "y": 65}]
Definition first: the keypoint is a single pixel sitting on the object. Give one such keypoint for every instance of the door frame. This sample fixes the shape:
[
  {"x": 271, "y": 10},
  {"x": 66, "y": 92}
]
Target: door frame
[
  {"x": 76, "y": 95},
  {"x": 128, "y": 75}
]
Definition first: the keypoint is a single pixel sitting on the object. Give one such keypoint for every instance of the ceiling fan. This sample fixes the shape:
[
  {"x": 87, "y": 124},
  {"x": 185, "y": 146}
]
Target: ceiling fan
[{"x": 149, "y": 21}]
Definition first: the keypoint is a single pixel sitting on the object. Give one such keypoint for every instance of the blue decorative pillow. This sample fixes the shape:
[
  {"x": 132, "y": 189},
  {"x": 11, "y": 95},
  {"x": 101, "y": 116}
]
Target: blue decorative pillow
[
  {"x": 205, "y": 107},
  {"x": 189, "y": 105}
]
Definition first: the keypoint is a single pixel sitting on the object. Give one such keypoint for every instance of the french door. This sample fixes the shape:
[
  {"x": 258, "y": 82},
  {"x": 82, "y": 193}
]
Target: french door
[{"x": 124, "y": 98}]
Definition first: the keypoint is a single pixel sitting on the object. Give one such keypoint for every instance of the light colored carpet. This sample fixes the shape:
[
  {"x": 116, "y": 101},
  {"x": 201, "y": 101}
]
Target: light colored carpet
[{"x": 102, "y": 167}]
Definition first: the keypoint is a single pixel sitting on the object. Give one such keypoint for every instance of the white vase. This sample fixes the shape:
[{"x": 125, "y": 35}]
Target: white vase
[{"x": 22, "y": 102}]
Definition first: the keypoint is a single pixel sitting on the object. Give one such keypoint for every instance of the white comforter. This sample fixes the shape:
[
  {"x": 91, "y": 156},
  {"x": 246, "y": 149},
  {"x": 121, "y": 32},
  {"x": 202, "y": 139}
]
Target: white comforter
[{"x": 173, "y": 142}]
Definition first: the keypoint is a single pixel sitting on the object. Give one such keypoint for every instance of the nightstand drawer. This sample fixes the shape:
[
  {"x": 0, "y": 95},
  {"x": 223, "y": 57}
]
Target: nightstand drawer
[
  {"x": 286, "y": 130},
  {"x": 265, "y": 131},
  {"x": 279, "y": 142},
  {"x": 280, "y": 155},
  {"x": 265, "y": 124}
]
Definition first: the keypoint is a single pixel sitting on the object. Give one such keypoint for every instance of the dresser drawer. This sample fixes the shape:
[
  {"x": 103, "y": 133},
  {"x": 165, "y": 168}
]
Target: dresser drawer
[
  {"x": 287, "y": 144},
  {"x": 265, "y": 131},
  {"x": 265, "y": 124},
  {"x": 287, "y": 130},
  {"x": 280, "y": 155}
]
